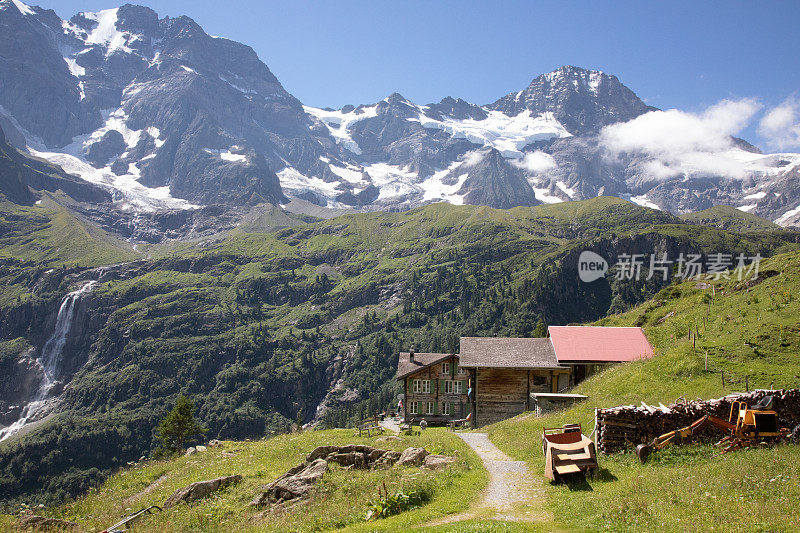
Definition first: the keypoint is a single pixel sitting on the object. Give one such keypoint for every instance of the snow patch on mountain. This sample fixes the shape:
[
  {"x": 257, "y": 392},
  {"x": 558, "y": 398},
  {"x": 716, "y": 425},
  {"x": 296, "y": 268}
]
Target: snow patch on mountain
[
  {"x": 543, "y": 194},
  {"x": 338, "y": 123},
  {"x": 392, "y": 181},
  {"x": 126, "y": 190},
  {"x": 642, "y": 200},
  {"x": 786, "y": 218},
  {"x": 291, "y": 179},
  {"x": 350, "y": 173},
  {"x": 74, "y": 68},
  {"x": 106, "y": 32},
  {"x": 237, "y": 87},
  {"x": 227, "y": 155},
  {"x": 434, "y": 189},
  {"x": 115, "y": 120},
  {"x": 566, "y": 190},
  {"x": 509, "y": 135},
  {"x": 23, "y": 8}
]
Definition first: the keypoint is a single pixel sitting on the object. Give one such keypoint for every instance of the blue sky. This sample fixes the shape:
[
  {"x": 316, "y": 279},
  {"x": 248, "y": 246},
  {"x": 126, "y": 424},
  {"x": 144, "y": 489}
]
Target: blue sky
[{"x": 685, "y": 55}]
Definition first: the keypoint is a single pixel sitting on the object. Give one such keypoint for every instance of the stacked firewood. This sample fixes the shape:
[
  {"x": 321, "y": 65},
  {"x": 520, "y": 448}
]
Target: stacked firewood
[{"x": 626, "y": 426}]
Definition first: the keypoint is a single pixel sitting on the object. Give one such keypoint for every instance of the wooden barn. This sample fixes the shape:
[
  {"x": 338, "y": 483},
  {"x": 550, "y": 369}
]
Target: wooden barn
[{"x": 588, "y": 349}]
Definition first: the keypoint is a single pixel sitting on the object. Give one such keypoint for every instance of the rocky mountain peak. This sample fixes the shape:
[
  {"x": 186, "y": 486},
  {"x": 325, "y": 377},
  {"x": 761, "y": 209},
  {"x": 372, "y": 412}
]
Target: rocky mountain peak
[{"x": 582, "y": 100}]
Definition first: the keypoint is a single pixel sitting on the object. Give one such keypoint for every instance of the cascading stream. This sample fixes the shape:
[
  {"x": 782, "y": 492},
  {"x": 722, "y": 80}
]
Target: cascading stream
[{"x": 50, "y": 359}]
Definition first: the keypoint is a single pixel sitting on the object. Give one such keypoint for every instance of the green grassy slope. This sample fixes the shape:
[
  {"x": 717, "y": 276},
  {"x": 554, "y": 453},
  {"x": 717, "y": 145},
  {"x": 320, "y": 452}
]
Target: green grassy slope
[
  {"x": 49, "y": 234},
  {"x": 747, "y": 330},
  {"x": 339, "y": 501},
  {"x": 730, "y": 218}
]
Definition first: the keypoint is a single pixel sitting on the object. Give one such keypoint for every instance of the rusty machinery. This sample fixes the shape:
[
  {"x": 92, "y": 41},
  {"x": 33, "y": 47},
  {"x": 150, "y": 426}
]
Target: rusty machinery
[{"x": 744, "y": 427}]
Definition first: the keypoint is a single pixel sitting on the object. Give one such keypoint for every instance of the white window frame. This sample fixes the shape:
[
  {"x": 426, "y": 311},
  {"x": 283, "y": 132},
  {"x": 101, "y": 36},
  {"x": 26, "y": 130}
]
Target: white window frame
[
  {"x": 446, "y": 369},
  {"x": 446, "y": 408},
  {"x": 429, "y": 407},
  {"x": 461, "y": 371},
  {"x": 458, "y": 388},
  {"x": 421, "y": 386},
  {"x": 448, "y": 386},
  {"x": 413, "y": 408}
]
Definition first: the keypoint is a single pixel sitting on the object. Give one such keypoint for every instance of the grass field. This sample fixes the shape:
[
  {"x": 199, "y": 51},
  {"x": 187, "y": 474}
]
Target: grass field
[
  {"x": 747, "y": 331},
  {"x": 339, "y": 501}
]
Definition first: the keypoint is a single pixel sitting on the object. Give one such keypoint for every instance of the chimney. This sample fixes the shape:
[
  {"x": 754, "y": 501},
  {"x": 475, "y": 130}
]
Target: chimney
[{"x": 411, "y": 354}]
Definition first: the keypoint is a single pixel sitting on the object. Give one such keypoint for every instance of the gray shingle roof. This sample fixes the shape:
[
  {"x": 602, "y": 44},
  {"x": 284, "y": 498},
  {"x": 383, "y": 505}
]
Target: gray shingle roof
[
  {"x": 504, "y": 352},
  {"x": 421, "y": 360}
]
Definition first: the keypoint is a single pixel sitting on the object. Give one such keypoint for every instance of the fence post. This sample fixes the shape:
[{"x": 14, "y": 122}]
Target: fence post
[
  {"x": 747, "y": 383},
  {"x": 723, "y": 378}
]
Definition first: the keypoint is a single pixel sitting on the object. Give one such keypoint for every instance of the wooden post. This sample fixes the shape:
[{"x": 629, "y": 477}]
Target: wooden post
[
  {"x": 747, "y": 383},
  {"x": 723, "y": 379}
]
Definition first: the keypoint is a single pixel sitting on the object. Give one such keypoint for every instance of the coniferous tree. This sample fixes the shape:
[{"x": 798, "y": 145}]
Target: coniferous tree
[{"x": 179, "y": 426}]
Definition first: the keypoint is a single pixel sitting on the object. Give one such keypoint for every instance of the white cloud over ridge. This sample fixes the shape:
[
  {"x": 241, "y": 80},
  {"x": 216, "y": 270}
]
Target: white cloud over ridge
[
  {"x": 536, "y": 162},
  {"x": 780, "y": 126},
  {"x": 678, "y": 142}
]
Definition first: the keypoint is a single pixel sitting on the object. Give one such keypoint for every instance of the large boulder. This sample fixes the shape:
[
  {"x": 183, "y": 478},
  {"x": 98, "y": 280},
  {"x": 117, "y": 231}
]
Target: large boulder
[
  {"x": 387, "y": 460},
  {"x": 412, "y": 457},
  {"x": 200, "y": 489},
  {"x": 294, "y": 484},
  {"x": 437, "y": 462}
]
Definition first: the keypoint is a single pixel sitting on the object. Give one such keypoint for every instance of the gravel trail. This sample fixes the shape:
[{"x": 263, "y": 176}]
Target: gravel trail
[{"x": 514, "y": 493}]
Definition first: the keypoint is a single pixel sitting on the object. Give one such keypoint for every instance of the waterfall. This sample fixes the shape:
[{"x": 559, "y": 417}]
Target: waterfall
[{"x": 50, "y": 359}]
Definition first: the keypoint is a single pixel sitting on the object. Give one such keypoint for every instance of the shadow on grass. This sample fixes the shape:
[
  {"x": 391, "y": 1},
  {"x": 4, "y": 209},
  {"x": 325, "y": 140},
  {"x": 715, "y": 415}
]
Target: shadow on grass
[{"x": 580, "y": 482}]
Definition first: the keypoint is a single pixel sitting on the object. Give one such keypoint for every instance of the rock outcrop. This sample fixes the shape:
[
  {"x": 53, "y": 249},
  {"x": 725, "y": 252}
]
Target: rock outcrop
[
  {"x": 298, "y": 481},
  {"x": 44, "y": 523},
  {"x": 200, "y": 489},
  {"x": 294, "y": 484},
  {"x": 437, "y": 462}
]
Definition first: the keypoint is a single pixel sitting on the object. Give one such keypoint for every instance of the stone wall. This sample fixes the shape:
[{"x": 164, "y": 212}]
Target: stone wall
[{"x": 623, "y": 427}]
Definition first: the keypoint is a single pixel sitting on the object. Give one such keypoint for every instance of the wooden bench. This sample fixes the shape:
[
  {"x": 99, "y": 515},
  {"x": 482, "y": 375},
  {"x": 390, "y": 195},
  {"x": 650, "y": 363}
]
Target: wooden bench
[
  {"x": 459, "y": 423},
  {"x": 369, "y": 428}
]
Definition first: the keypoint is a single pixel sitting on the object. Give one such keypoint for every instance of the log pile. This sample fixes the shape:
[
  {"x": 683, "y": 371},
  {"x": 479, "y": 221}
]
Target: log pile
[{"x": 623, "y": 427}]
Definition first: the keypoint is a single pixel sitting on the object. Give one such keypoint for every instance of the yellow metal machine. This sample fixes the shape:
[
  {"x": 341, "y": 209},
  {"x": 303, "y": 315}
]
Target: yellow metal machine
[{"x": 745, "y": 427}]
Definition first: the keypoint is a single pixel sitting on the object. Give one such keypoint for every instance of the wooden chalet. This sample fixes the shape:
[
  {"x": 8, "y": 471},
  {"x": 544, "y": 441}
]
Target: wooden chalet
[
  {"x": 434, "y": 387},
  {"x": 495, "y": 378},
  {"x": 505, "y": 371}
]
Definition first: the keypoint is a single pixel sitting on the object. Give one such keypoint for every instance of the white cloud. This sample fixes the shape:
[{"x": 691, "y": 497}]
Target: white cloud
[
  {"x": 780, "y": 126},
  {"x": 473, "y": 158},
  {"x": 678, "y": 142},
  {"x": 536, "y": 162}
]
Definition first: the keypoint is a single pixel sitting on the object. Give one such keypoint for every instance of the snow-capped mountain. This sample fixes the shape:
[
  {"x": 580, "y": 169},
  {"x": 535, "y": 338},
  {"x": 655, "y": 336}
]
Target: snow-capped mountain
[{"x": 165, "y": 116}]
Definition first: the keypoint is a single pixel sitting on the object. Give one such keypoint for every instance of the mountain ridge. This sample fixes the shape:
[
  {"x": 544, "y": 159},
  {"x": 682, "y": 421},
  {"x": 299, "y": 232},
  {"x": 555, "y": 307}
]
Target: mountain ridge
[{"x": 168, "y": 117}]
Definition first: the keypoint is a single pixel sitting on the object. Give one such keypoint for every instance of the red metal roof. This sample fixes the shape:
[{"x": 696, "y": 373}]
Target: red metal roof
[{"x": 598, "y": 343}]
